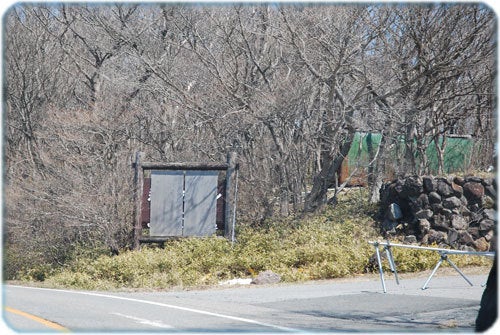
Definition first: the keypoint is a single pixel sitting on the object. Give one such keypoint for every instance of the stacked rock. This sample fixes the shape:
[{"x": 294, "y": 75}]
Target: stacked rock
[{"x": 456, "y": 212}]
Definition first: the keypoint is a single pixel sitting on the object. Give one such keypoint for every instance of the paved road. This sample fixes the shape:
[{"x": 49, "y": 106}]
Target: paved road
[{"x": 449, "y": 304}]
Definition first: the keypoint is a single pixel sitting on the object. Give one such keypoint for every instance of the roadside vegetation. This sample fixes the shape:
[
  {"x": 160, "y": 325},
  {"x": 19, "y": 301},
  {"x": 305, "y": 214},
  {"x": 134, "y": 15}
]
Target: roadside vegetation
[{"x": 330, "y": 244}]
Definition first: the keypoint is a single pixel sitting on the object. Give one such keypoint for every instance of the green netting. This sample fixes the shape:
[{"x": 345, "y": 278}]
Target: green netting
[
  {"x": 361, "y": 145},
  {"x": 457, "y": 155}
]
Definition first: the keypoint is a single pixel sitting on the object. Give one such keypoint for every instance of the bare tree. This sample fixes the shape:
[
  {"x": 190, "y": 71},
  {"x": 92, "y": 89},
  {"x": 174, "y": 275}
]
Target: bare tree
[
  {"x": 438, "y": 50},
  {"x": 335, "y": 49},
  {"x": 33, "y": 76}
]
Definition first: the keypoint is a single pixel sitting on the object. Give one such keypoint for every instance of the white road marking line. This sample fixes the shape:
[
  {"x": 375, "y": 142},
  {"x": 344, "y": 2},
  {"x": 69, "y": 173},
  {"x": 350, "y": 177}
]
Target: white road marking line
[
  {"x": 186, "y": 309},
  {"x": 147, "y": 322}
]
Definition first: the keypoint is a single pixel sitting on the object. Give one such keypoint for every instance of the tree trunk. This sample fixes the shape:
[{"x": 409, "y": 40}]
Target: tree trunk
[
  {"x": 326, "y": 177},
  {"x": 440, "y": 153},
  {"x": 375, "y": 168}
]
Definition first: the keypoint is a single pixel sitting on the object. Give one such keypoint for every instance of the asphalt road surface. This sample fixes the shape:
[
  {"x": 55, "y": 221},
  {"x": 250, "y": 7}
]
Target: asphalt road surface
[{"x": 449, "y": 304}]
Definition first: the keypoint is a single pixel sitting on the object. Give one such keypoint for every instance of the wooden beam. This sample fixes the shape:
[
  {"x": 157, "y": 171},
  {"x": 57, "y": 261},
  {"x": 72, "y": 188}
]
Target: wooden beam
[
  {"x": 184, "y": 166},
  {"x": 159, "y": 239},
  {"x": 229, "y": 199},
  {"x": 139, "y": 184}
]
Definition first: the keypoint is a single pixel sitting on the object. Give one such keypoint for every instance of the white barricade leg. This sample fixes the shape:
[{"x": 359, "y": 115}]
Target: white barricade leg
[
  {"x": 444, "y": 257},
  {"x": 392, "y": 264},
  {"x": 380, "y": 270}
]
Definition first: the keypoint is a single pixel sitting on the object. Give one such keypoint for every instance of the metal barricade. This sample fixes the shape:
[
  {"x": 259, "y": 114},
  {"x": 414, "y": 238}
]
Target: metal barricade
[{"x": 443, "y": 257}]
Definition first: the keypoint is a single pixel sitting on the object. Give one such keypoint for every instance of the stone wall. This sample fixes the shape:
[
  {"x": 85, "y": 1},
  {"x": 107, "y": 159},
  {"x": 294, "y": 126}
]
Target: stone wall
[{"x": 450, "y": 212}]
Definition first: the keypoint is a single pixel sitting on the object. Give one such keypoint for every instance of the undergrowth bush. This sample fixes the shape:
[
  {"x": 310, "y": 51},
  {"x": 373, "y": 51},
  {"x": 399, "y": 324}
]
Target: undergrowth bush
[{"x": 329, "y": 245}]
